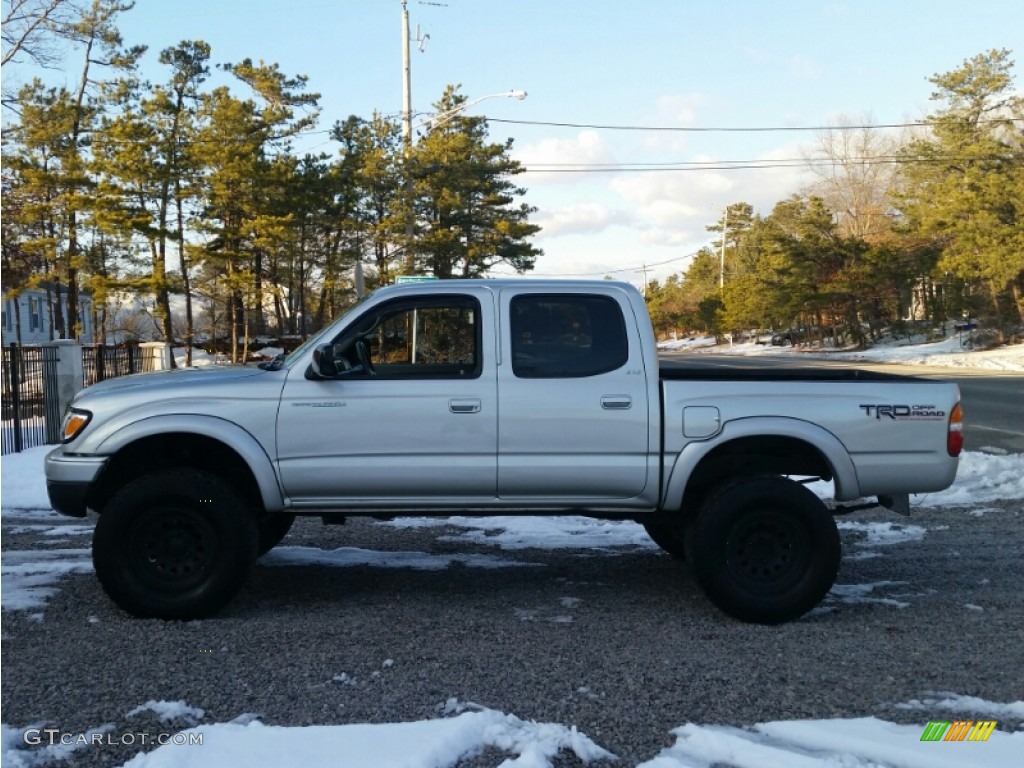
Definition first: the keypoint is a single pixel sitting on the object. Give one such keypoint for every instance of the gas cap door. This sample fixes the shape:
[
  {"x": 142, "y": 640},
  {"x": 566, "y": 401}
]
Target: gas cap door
[{"x": 701, "y": 421}]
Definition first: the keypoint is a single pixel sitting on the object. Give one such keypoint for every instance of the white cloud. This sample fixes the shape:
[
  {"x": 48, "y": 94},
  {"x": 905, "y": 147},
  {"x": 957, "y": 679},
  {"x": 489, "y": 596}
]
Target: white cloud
[
  {"x": 681, "y": 108},
  {"x": 540, "y": 159},
  {"x": 580, "y": 218}
]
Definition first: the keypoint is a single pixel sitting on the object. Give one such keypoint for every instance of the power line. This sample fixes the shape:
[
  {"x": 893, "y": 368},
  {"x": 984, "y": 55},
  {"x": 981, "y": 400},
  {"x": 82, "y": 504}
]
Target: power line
[
  {"x": 616, "y": 271},
  {"x": 723, "y": 129},
  {"x": 737, "y": 165}
]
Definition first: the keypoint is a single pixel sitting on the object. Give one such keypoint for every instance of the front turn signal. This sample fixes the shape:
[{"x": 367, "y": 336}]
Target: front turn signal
[
  {"x": 74, "y": 423},
  {"x": 955, "y": 435}
]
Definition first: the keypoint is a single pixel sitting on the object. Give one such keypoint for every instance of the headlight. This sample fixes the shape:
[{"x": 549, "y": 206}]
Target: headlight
[{"x": 74, "y": 423}]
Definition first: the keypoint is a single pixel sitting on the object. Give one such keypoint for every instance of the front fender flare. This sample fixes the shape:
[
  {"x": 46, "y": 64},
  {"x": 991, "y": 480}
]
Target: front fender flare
[{"x": 222, "y": 430}]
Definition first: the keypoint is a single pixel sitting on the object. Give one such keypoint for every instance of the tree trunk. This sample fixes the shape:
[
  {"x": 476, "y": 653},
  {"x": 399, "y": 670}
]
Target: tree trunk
[
  {"x": 998, "y": 310},
  {"x": 183, "y": 261}
]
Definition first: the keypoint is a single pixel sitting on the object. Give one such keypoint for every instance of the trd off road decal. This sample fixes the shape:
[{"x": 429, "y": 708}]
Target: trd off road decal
[{"x": 904, "y": 412}]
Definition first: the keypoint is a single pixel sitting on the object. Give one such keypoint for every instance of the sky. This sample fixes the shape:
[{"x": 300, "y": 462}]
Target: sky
[
  {"x": 671, "y": 64},
  {"x": 30, "y": 578}
]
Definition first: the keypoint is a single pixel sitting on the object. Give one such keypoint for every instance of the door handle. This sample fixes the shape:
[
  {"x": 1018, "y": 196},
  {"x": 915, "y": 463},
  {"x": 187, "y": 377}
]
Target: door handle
[
  {"x": 616, "y": 402},
  {"x": 466, "y": 405}
]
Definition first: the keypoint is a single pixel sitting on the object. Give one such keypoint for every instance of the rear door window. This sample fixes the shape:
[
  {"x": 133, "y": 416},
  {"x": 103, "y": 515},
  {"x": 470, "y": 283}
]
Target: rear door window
[{"x": 558, "y": 336}]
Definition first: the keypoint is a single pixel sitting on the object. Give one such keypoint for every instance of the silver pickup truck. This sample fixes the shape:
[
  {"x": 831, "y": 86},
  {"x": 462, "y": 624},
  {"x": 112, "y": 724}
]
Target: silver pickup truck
[{"x": 488, "y": 397}]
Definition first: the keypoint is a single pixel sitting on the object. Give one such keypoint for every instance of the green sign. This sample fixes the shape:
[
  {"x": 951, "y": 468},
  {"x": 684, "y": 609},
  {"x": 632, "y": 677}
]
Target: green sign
[{"x": 414, "y": 278}]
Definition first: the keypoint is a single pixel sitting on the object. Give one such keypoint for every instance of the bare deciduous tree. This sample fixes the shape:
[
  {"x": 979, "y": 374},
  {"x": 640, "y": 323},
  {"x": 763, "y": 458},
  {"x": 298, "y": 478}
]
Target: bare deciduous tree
[
  {"x": 30, "y": 28},
  {"x": 856, "y": 168}
]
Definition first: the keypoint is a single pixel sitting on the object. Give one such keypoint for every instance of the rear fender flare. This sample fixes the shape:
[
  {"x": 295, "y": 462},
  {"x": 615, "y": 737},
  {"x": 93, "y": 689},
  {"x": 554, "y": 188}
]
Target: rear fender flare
[{"x": 835, "y": 453}]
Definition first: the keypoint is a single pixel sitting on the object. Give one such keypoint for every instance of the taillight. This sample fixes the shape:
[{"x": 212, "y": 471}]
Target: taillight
[{"x": 955, "y": 436}]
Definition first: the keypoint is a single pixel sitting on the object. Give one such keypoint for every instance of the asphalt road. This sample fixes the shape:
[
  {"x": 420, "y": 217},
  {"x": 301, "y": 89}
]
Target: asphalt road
[{"x": 993, "y": 402}]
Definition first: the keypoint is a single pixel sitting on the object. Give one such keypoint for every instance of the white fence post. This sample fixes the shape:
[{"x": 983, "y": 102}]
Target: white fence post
[
  {"x": 70, "y": 375},
  {"x": 156, "y": 356},
  {"x": 70, "y": 380}
]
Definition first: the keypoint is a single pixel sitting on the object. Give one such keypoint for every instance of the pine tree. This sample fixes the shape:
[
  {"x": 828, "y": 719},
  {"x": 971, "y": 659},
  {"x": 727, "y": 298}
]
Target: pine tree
[
  {"x": 965, "y": 184},
  {"x": 464, "y": 200}
]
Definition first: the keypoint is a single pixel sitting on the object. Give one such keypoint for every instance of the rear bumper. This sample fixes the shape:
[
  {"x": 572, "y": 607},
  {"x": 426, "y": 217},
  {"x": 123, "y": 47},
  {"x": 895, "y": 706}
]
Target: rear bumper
[{"x": 68, "y": 480}]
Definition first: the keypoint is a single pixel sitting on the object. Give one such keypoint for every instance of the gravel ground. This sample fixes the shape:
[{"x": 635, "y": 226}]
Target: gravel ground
[{"x": 619, "y": 643}]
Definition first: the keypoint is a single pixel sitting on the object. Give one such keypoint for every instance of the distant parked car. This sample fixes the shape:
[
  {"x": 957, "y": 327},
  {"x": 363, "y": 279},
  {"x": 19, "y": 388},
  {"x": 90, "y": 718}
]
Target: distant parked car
[{"x": 789, "y": 336}]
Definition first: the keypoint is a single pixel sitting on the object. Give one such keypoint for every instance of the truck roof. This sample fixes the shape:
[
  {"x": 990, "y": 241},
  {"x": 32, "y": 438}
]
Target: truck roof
[{"x": 496, "y": 284}]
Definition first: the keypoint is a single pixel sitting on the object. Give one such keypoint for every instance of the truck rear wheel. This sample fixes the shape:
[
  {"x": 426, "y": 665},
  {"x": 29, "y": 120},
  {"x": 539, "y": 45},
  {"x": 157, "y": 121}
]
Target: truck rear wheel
[
  {"x": 764, "y": 549},
  {"x": 176, "y": 544}
]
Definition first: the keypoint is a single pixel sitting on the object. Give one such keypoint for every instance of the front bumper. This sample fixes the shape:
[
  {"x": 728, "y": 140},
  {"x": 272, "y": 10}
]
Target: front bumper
[{"x": 69, "y": 478}]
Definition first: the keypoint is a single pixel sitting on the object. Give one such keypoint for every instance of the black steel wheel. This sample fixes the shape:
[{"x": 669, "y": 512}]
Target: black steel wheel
[
  {"x": 765, "y": 549},
  {"x": 176, "y": 544}
]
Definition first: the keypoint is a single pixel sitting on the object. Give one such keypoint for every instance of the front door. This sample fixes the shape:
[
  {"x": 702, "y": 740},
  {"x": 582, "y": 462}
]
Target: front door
[{"x": 411, "y": 415}]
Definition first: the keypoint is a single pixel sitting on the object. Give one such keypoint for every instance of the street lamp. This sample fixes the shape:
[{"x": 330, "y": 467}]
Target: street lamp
[
  {"x": 443, "y": 117},
  {"x": 436, "y": 120}
]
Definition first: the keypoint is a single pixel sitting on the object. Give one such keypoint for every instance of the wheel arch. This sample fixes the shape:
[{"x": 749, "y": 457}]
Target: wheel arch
[
  {"x": 760, "y": 446},
  {"x": 207, "y": 443}
]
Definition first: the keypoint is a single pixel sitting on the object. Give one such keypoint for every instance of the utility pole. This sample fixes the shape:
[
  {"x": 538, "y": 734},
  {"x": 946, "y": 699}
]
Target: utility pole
[
  {"x": 406, "y": 81},
  {"x": 407, "y": 136},
  {"x": 721, "y": 258}
]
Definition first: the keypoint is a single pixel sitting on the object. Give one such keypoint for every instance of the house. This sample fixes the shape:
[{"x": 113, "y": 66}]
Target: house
[{"x": 34, "y": 308}]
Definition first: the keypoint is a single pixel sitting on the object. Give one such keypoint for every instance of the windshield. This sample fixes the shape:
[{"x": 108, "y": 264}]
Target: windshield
[{"x": 281, "y": 361}]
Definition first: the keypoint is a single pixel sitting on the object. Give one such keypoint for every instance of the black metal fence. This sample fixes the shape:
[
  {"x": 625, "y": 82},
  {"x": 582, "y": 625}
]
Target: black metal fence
[
  {"x": 31, "y": 406},
  {"x": 31, "y": 409},
  {"x": 100, "y": 363}
]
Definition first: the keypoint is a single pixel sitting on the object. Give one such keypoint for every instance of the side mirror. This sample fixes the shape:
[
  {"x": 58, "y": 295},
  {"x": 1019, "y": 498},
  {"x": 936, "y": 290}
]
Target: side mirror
[{"x": 323, "y": 365}]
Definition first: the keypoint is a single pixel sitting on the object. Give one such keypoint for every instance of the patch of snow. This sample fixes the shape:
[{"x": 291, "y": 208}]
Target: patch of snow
[
  {"x": 166, "y": 711},
  {"x": 561, "y": 532},
  {"x": 347, "y": 557},
  {"x": 16, "y": 752},
  {"x": 854, "y": 594},
  {"x": 421, "y": 744},
  {"x": 840, "y": 743},
  {"x": 883, "y": 534},
  {"x": 30, "y": 576},
  {"x": 954, "y": 702}
]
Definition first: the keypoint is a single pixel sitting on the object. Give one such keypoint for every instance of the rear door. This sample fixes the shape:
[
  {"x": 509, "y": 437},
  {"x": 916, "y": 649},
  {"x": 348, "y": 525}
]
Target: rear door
[{"x": 574, "y": 417}]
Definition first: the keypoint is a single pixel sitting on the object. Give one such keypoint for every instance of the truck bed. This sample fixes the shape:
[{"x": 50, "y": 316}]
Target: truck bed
[{"x": 726, "y": 368}]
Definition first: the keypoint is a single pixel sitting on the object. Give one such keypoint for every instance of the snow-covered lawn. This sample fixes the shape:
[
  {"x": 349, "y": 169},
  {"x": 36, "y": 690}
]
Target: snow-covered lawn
[{"x": 940, "y": 354}]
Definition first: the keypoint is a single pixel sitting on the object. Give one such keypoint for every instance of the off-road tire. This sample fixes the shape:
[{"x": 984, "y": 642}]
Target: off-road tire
[
  {"x": 273, "y": 528},
  {"x": 174, "y": 544},
  {"x": 670, "y": 537},
  {"x": 764, "y": 549}
]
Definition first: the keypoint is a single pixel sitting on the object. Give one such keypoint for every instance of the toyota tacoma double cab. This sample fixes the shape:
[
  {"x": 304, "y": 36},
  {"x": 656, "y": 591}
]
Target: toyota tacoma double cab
[{"x": 493, "y": 397}]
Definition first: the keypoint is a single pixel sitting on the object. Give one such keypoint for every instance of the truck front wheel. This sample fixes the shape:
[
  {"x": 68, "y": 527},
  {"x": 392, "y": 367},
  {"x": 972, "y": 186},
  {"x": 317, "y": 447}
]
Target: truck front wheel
[
  {"x": 176, "y": 544},
  {"x": 273, "y": 529},
  {"x": 671, "y": 537},
  {"x": 764, "y": 549}
]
